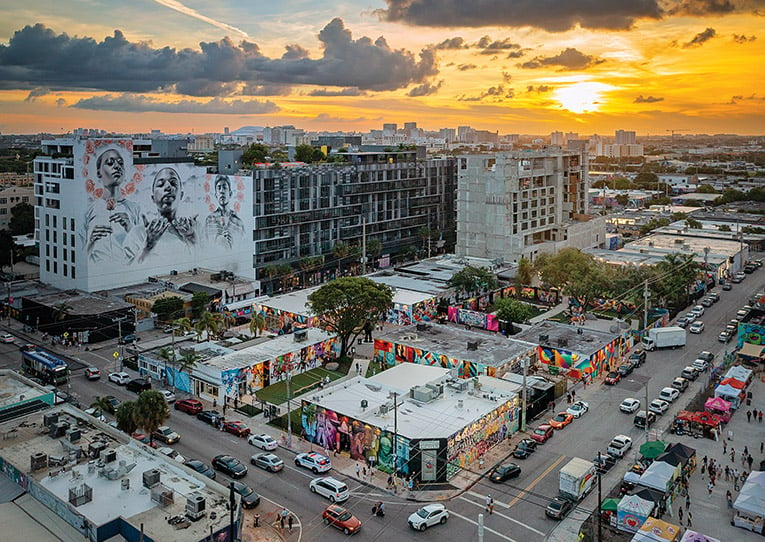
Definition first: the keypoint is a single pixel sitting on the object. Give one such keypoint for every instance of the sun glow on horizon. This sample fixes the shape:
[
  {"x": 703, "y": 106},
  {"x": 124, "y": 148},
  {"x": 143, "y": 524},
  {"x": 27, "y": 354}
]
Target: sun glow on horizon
[{"x": 584, "y": 97}]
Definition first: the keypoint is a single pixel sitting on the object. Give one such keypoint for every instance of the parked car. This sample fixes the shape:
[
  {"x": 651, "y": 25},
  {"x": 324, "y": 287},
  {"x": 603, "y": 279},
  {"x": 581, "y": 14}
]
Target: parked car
[
  {"x": 698, "y": 311},
  {"x": 209, "y": 416},
  {"x": 339, "y": 517},
  {"x": 236, "y": 428},
  {"x": 331, "y": 488},
  {"x": 229, "y": 465},
  {"x": 669, "y": 394},
  {"x": 313, "y": 461},
  {"x": 166, "y": 435},
  {"x": 619, "y": 445},
  {"x": 724, "y": 336},
  {"x": 504, "y": 472},
  {"x": 643, "y": 418},
  {"x": 201, "y": 467},
  {"x": 168, "y": 395},
  {"x": 267, "y": 461},
  {"x": 140, "y": 437},
  {"x": 707, "y": 356},
  {"x": 682, "y": 322},
  {"x": 706, "y": 302},
  {"x": 543, "y": 433},
  {"x": 613, "y": 378},
  {"x": 559, "y": 507},
  {"x": 119, "y": 378},
  {"x": 690, "y": 317},
  {"x": 738, "y": 277},
  {"x": 263, "y": 441},
  {"x": 714, "y": 296},
  {"x": 127, "y": 339},
  {"x": 113, "y": 401},
  {"x": 727, "y": 286},
  {"x": 624, "y": 369},
  {"x": 189, "y": 406},
  {"x": 250, "y": 499},
  {"x": 172, "y": 454},
  {"x": 741, "y": 313},
  {"x": 629, "y": 405},
  {"x": 138, "y": 385},
  {"x": 561, "y": 420},
  {"x": 701, "y": 365},
  {"x": 92, "y": 373},
  {"x": 680, "y": 384},
  {"x": 696, "y": 327},
  {"x": 524, "y": 448},
  {"x": 578, "y": 409},
  {"x": 7, "y": 338},
  {"x": 637, "y": 357},
  {"x": 427, "y": 516},
  {"x": 689, "y": 373},
  {"x": 658, "y": 406}
]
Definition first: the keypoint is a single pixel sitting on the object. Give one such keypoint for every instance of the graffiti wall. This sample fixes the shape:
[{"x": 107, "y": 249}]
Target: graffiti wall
[
  {"x": 473, "y": 441},
  {"x": 143, "y": 219},
  {"x": 331, "y": 430},
  {"x": 750, "y": 333},
  {"x": 578, "y": 365},
  {"x": 281, "y": 322},
  {"x": 393, "y": 354},
  {"x": 403, "y": 315}
]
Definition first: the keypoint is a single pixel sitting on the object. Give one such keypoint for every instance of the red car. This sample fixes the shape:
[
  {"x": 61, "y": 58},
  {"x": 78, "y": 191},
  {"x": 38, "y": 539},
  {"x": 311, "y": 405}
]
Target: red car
[
  {"x": 140, "y": 437},
  {"x": 613, "y": 378},
  {"x": 561, "y": 420},
  {"x": 237, "y": 428},
  {"x": 189, "y": 406},
  {"x": 543, "y": 433},
  {"x": 341, "y": 518}
]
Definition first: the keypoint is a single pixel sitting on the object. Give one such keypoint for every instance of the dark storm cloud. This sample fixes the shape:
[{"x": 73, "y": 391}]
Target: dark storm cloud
[
  {"x": 551, "y": 15},
  {"x": 647, "y": 99},
  {"x": 740, "y": 38},
  {"x": 452, "y": 43},
  {"x": 426, "y": 89},
  {"x": 36, "y": 93},
  {"x": 138, "y": 103},
  {"x": 265, "y": 90},
  {"x": 700, "y": 7},
  {"x": 489, "y": 47},
  {"x": 701, "y": 38},
  {"x": 35, "y": 57},
  {"x": 570, "y": 59},
  {"x": 353, "y": 91}
]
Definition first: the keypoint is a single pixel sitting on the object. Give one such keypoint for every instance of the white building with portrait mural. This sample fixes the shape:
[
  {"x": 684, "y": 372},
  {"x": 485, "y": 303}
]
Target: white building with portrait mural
[{"x": 112, "y": 212}]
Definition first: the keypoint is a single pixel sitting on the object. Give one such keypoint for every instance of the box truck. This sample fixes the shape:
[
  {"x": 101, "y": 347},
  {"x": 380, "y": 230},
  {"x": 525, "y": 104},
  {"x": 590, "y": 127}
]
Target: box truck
[
  {"x": 664, "y": 337},
  {"x": 577, "y": 478}
]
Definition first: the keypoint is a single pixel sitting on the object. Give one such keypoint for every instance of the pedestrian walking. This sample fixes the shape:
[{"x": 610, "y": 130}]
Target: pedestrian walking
[
  {"x": 687, "y": 502},
  {"x": 754, "y": 413},
  {"x": 358, "y": 470},
  {"x": 364, "y": 472},
  {"x": 703, "y": 469},
  {"x": 224, "y": 408},
  {"x": 746, "y": 450},
  {"x": 759, "y": 417},
  {"x": 727, "y": 473},
  {"x": 710, "y": 486},
  {"x": 256, "y": 523},
  {"x": 573, "y": 395},
  {"x": 390, "y": 481},
  {"x": 750, "y": 460},
  {"x": 283, "y": 517},
  {"x": 748, "y": 416},
  {"x": 480, "y": 463},
  {"x": 725, "y": 446},
  {"x": 489, "y": 504},
  {"x": 290, "y": 521},
  {"x": 215, "y": 403},
  {"x": 680, "y": 514},
  {"x": 762, "y": 445},
  {"x": 732, "y": 454},
  {"x": 690, "y": 519}
]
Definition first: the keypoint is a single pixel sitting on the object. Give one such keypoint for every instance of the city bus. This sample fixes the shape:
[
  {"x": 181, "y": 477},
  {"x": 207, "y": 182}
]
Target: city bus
[{"x": 45, "y": 366}]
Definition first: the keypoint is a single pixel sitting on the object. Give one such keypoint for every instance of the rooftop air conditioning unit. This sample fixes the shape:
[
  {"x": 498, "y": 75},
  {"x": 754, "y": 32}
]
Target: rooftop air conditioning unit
[
  {"x": 472, "y": 345},
  {"x": 151, "y": 478},
  {"x": 195, "y": 507},
  {"x": 300, "y": 335},
  {"x": 543, "y": 338},
  {"x": 38, "y": 461}
]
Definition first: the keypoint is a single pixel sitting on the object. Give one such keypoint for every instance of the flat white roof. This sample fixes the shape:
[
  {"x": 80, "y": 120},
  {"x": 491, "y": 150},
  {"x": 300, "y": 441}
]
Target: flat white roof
[{"x": 440, "y": 418}]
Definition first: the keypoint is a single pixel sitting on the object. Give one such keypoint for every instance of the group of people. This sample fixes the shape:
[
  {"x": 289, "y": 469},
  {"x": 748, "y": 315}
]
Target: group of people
[{"x": 754, "y": 413}]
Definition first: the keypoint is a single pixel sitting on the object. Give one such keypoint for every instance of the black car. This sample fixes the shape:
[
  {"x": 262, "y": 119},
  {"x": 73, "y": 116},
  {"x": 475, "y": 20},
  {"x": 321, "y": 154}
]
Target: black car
[
  {"x": 625, "y": 369},
  {"x": 201, "y": 468},
  {"x": 112, "y": 400},
  {"x": 138, "y": 385},
  {"x": 128, "y": 339},
  {"x": 209, "y": 416},
  {"x": 637, "y": 358},
  {"x": 524, "y": 448},
  {"x": 250, "y": 499},
  {"x": 559, "y": 507},
  {"x": 505, "y": 472},
  {"x": 229, "y": 465}
]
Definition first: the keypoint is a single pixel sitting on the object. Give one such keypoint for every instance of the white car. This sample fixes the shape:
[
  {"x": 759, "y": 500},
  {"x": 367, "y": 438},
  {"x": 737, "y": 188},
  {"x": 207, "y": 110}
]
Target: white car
[
  {"x": 120, "y": 378},
  {"x": 263, "y": 441},
  {"x": 658, "y": 406},
  {"x": 669, "y": 394},
  {"x": 331, "y": 488},
  {"x": 629, "y": 405},
  {"x": 578, "y": 409},
  {"x": 619, "y": 445},
  {"x": 168, "y": 395},
  {"x": 696, "y": 327},
  {"x": 698, "y": 310},
  {"x": 169, "y": 452},
  {"x": 313, "y": 461},
  {"x": 7, "y": 338},
  {"x": 690, "y": 317},
  {"x": 700, "y": 365},
  {"x": 427, "y": 516}
]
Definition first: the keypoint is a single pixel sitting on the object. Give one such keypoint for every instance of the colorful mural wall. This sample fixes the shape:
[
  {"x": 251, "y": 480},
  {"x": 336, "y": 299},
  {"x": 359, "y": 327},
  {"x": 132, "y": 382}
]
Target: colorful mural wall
[
  {"x": 403, "y": 315},
  {"x": 471, "y": 318},
  {"x": 750, "y": 333},
  {"x": 393, "y": 354},
  {"x": 331, "y": 430},
  {"x": 578, "y": 365},
  {"x": 469, "y": 444},
  {"x": 281, "y": 322}
]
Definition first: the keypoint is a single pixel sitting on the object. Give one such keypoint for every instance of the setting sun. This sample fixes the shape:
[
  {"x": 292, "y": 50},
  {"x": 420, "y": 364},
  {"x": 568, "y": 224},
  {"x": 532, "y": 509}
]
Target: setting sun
[{"x": 581, "y": 97}]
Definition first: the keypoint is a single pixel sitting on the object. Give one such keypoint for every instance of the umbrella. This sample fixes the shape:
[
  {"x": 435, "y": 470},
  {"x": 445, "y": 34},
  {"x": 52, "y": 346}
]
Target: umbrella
[
  {"x": 609, "y": 504},
  {"x": 652, "y": 449}
]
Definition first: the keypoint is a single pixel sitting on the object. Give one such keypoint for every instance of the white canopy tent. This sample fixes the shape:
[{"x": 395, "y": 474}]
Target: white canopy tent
[
  {"x": 739, "y": 373},
  {"x": 659, "y": 476}
]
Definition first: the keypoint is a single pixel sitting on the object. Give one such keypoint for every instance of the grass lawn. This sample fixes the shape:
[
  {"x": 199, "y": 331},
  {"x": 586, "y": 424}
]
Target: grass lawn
[{"x": 300, "y": 383}]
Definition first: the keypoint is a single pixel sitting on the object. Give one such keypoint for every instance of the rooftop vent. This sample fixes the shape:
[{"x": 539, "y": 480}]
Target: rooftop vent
[
  {"x": 151, "y": 478},
  {"x": 301, "y": 335},
  {"x": 472, "y": 345},
  {"x": 195, "y": 507}
]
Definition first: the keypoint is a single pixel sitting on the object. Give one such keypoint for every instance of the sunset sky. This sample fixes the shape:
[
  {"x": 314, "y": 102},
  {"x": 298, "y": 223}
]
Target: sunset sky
[{"x": 513, "y": 66}]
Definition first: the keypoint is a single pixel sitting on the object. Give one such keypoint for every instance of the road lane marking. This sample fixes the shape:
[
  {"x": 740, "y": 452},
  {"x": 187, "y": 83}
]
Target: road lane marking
[
  {"x": 505, "y": 537},
  {"x": 536, "y": 481},
  {"x": 482, "y": 504}
]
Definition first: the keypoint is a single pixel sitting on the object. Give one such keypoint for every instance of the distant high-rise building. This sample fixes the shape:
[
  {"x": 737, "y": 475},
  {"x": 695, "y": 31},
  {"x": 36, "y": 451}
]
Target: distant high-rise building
[
  {"x": 624, "y": 137},
  {"x": 465, "y": 134},
  {"x": 570, "y": 136},
  {"x": 390, "y": 128},
  {"x": 225, "y": 130},
  {"x": 556, "y": 138},
  {"x": 449, "y": 135}
]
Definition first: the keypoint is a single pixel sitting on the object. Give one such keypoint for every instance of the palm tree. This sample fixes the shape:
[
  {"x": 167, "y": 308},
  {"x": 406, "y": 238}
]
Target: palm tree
[
  {"x": 61, "y": 311},
  {"x": 102, "y": 403},
  {"x": 188, "y": 360},
  {"x": 340, "y": 252},
  {"x": 167, "y": 355},
  {"x": 211, "y": 323},
  {"x": 227, "y": 320},
  {"x": 151, "y": 411},
  {"x": 258, "y": 323},
  {"x": 184, "y": 324},
  {"x": 126, "y": 417}
]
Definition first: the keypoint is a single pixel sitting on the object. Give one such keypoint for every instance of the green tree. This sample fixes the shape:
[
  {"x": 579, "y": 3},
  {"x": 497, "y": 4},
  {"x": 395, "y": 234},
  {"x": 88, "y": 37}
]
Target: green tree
[
  {"x": 126, "y": 417},
  {"x": 258, "y": 323},
  {"x": 166, "y": 307},
  {"x": 573, "y": 272},
  {"x": 345, "y": 304},
  {"x": 653, "y": 224},
  {"x": 340, "y": 251},
  {"x": 674, "y": 217},
  {"x": 304, "y": 153},
  {"x": 525, "y": 273},
  {"x": 182, "y": 325},
  {"x": 676, "y": 272},
  {"x": 725, "y": 227},
  {"x": 167, "y": 354},
  {"x": 188, "y": 360},
  {"x": 706, "y": 189},
  {"x": 255, "y": 153},
  {"x": 693, "y": 224},
  {"x": 374, "y": 247},
  {"x": 199, "y": 301},
  {"x": 318, "y": 156},
  {"x": 512, "y": 310},
  {"x": 151, "y": 411},
  {"x": 472, "y": 280},
  {"x": 102, "y": 403},
  {"x": 645, "y": 178},
  {"x": 22, "y": 219},
  {"x": 60, "y": 311}
]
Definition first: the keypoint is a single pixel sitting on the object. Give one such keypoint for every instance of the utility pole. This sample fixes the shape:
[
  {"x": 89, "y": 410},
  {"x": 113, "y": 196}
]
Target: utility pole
[
  {"x": 363, "y": 246},
  {"x": 645, "y": 305},
  {"x": 289, "y": 410},
  {"x": 523, "y": 407},
  {"x": 119, "y": 332},
  {"x": 600, "y": 499},
  {"x": 646, "y": 411},
  {"x": 706, "y": 258},
  {"x": 395, "y": 434},
  {"x": 480, "y": 527}
]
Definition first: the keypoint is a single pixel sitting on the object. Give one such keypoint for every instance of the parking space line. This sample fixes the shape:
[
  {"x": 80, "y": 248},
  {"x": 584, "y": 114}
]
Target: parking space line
[
  {"x": 503, "y": 536},
  {"x": 482, "y": 504},
  {"x": 536, "y": 481}
]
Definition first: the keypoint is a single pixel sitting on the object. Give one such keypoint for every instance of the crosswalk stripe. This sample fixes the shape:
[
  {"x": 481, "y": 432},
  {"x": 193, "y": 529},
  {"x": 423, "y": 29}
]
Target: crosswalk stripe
[
  {"x": 505, "y": 537},
  {"x": 482, "y": 504}
]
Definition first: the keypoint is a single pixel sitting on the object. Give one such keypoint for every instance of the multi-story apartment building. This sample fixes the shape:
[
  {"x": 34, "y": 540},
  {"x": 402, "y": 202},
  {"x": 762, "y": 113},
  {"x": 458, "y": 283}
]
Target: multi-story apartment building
[
  {"x": 305, "y": 210},
  {"x": 520, "y": 204},
  {"x": 10, "y": 197},
  {"x": 624, "y": 137}
]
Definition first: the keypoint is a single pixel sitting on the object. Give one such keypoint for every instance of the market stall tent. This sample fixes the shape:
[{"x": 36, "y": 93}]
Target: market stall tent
[
  {"x": 656, "y": 530},
  {"x": 730, "y": 393},
  {"x": 632, "y": 512},
  {"x": 693, "y": 536},
  {"x": 739, "y": 373},
  {"x": 658, "y": 476},
  {"x": 750, "y": 503}
]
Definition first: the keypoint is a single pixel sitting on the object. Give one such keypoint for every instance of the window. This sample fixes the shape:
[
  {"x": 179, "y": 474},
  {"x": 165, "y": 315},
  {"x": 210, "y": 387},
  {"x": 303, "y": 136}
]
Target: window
[
  {"x": 55, "y": 268},
  {"x": 3, "y": 201},
  {"x": 3, "y": 211}
]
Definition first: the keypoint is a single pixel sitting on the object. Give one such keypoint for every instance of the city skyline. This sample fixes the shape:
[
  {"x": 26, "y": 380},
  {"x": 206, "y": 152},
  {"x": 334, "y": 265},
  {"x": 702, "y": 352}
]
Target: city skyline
[{"x": 688, "y": 66}]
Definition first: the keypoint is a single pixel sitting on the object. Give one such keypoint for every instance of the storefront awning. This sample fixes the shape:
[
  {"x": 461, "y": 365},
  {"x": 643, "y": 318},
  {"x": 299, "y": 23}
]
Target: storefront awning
[{"x": 751, "y": 350}]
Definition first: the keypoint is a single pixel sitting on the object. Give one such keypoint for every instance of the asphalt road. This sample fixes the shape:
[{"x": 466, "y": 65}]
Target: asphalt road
[{"x": 519, "y": 503}]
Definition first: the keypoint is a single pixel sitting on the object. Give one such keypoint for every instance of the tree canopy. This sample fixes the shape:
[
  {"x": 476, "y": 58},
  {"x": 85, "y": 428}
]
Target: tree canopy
[
  {"x": 512, "y": 310},
  {"x": 473, "y": 280},
  {"x": 344, "y": 305},
  {"x": 150, "y": 411},
  {"x": 168, "y": 308},
  {"x": 22, "y": 219},
  {"x": 257, "y": 152},
  {"x": 306, "y": 153}
]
